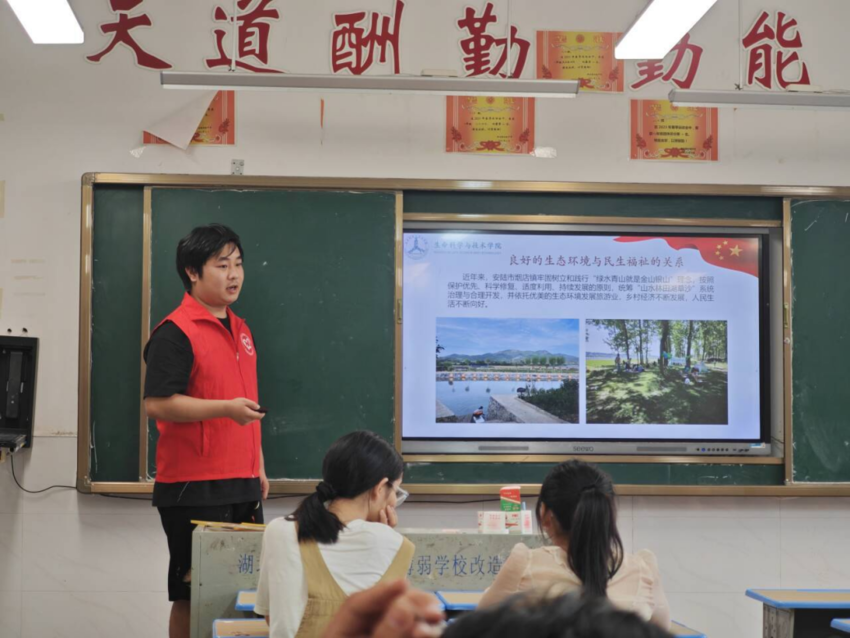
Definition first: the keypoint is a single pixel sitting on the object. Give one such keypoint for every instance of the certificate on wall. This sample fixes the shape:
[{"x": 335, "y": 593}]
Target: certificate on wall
[
  {"x": 217, "y": 127},
  {"x": 661, "y": 131},
  {"x": 584, "y": 56},
  {"x": 490, "y": 125}
]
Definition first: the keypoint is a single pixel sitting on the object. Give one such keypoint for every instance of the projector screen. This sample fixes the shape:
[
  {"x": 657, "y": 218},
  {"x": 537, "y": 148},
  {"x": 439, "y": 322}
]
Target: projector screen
[{"x": 543, "y": 336}]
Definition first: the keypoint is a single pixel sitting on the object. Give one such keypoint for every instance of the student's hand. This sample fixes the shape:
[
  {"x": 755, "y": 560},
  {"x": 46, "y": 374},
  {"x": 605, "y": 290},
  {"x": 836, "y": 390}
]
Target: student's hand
[
  {"x": 264, "y": 484},
  {"x": 387, "y": 516},
  {"x": 244, "y": 411},
  {"x": 388, "y": 610}
]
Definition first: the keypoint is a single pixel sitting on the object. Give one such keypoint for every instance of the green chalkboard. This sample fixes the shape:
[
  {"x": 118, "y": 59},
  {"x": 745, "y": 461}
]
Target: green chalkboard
[
  {"x": 820, "y": 243},
  {"x": 116, "y": 333},
  {"x": 319, "y": 298}
]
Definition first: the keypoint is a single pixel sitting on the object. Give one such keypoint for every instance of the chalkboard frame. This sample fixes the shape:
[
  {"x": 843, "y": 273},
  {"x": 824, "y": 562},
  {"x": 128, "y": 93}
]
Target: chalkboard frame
[{"x": 91, "y": 180}]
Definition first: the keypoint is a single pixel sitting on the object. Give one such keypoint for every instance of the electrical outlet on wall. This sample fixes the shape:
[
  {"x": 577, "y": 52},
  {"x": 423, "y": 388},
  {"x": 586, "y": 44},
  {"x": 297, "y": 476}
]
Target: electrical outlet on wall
[{"x": 237, "y": 167}]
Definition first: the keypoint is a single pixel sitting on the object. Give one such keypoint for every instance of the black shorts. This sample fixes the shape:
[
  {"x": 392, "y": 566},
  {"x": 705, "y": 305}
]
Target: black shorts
[{"x": 178, "y": 530}]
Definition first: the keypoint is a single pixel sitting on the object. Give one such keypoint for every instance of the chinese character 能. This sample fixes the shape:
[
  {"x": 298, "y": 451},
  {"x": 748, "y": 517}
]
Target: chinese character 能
[{"x": 768, "y": 55}]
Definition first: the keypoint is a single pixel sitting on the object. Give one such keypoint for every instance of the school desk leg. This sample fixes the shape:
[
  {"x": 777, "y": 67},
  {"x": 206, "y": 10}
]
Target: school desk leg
[{"x": 778, "y": 623}]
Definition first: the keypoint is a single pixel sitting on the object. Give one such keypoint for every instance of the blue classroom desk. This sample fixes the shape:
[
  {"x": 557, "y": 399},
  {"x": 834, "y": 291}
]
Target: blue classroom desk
[
  {"x": 460, "y": 601},
  {"x": 841, "y": 624},
  {"x": 246, "y": 599},
  {"x": 455, "y": 601},
  {"x": 680, "y": 631},
  {"x": 800, "y": 613}
]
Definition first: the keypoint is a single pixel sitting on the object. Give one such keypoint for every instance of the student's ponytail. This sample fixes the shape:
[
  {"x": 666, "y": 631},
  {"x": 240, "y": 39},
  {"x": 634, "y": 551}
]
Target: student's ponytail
[
  {"x": 315, "y": 521},
  {"x": 595, "y": 548},
  {"x": 354, "y": 464},
  {"x": 581, "y": 500}
]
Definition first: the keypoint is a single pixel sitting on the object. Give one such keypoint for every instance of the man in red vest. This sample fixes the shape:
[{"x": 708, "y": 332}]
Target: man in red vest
[{"x": 201, "y": 387}]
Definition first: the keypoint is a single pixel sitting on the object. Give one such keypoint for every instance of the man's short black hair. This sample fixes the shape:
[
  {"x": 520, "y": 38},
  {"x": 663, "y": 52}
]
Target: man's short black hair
[
  {"x": 196, "y": 248},
  {"x": 546, "y": 616}
]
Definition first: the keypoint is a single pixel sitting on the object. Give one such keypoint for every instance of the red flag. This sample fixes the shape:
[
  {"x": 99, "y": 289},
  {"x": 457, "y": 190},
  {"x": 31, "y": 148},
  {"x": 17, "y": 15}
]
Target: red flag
[{"x": 734, "y": 253}]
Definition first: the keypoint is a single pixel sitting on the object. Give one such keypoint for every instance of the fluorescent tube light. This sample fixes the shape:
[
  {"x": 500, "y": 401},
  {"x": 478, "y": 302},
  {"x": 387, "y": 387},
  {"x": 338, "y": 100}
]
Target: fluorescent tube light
[
  {"x": 398, "y": 84},
  {"x": 760, "y": 99},
  {"x": 659, "y": 28},
  {"x": 48, "y": 21}
]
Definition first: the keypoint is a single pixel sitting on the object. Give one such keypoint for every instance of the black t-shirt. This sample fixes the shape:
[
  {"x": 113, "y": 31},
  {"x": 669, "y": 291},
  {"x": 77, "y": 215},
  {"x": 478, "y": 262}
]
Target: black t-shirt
[{"x": 169, "y": 359}]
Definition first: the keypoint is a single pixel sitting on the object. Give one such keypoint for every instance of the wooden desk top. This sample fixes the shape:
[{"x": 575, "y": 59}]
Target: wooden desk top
[
  {"x": 802, "y": 598},
  {"x": 680, "y": 631},
  {"x": 245, "y": 628},
  {"x": 246, "y": 599}
]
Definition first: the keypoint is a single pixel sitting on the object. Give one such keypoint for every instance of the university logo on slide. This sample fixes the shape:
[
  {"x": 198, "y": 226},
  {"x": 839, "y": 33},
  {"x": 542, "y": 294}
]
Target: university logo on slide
[
  {"x": 246, "y": 343},
  {"x": 416, "y": 246}
]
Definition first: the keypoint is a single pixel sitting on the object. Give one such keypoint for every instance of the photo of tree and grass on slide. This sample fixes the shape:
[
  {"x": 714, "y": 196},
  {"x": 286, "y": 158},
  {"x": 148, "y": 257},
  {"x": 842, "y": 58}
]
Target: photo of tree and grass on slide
[
  {"x": 656, "y": 372},
  {"x": 507, "y": 370}
]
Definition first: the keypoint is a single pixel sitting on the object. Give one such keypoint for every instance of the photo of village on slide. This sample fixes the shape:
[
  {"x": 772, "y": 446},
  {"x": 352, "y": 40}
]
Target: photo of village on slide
[
  {"x": 656, "y": 372},
  {"x": 507, "y": 370}
]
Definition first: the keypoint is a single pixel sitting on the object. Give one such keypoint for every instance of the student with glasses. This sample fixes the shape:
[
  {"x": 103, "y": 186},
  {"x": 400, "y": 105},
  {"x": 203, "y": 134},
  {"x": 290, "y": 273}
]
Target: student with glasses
[{"x": 340, "y": 540}]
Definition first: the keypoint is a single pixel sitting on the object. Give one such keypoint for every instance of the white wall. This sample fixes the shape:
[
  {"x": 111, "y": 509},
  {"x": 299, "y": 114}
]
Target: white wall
[{"x": 73, "y": 565}]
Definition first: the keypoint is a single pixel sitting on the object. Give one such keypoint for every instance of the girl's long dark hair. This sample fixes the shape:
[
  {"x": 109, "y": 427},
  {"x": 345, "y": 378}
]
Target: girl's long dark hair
[
  {"x": 354, "y": 464},
  {"x": 581, "y": 499}
]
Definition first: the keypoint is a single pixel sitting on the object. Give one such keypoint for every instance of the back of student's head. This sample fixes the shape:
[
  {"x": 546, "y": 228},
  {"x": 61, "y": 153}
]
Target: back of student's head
[
  {"x": 355, "y": 464},
  {"x": 570, "y": 616},
  {"x": 202, "y": 243},
  {"x": 580, "y": 498}
]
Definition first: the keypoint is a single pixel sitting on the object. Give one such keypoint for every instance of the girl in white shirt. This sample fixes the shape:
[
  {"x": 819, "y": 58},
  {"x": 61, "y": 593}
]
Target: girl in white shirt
[
  {"x": 339, "y": 541},
  {"x": 576, "y": 512}
]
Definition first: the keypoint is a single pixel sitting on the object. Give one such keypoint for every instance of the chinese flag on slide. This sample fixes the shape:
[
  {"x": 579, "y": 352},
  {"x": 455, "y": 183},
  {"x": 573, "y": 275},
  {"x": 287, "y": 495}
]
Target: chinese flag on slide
[{"x": 734, "y": 253}]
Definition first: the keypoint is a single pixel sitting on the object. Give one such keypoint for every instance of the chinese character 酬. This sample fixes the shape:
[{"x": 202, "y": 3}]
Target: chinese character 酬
[{"x": 353, "y": 47}]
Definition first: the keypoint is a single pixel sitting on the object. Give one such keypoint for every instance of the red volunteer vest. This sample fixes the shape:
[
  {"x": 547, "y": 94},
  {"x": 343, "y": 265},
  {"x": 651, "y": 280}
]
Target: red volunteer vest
[{"x": 225, "y": 368}]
